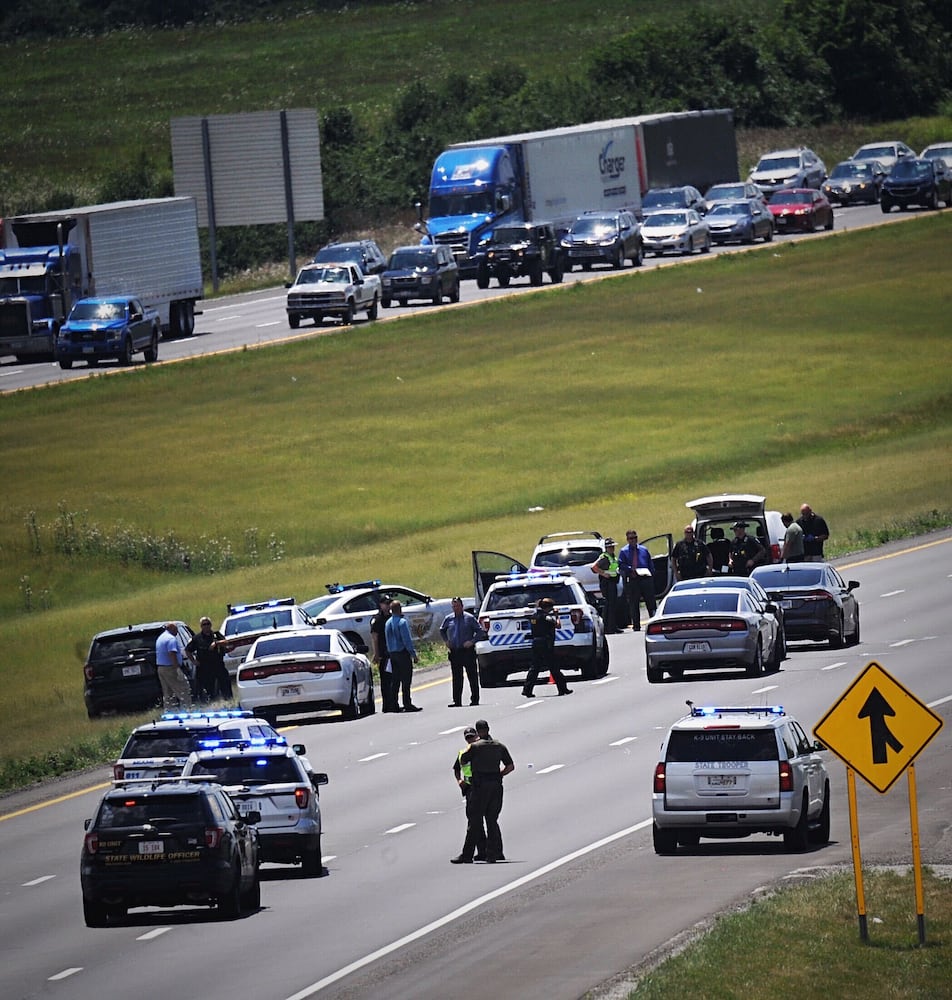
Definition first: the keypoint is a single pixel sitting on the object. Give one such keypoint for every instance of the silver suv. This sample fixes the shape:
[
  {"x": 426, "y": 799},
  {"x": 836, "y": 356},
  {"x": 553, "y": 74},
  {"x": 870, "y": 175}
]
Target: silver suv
[
  {"x": 788, "y": 168},
  {"x": 731, "y": 772},
  {"x": 275, "y": 781}
]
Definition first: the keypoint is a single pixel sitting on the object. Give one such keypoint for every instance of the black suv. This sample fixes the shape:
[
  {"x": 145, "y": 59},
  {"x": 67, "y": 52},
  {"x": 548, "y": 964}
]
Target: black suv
[
  {"x": 364, "y": 253},
  {"x": 119, "y": 673},
  {"x": 528, "y": 249},
  {"x": 916, "y": 182},
  {"x": 169, "y": 844},
  {"x": 420, "y": 272},
  {"x": 603, "y": 238}
]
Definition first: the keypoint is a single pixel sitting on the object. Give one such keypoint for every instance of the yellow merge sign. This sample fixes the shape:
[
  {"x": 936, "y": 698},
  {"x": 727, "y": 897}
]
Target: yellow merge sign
[{"x": 877, "y": 727}]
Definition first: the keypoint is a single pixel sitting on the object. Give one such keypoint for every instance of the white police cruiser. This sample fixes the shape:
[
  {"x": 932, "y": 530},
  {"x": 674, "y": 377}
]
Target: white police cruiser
[
  {"x": 733, "y": 771},
  {"x": 246, "y": 622},
  {"x": 161, "y": 749},
  {"x": 504, "y": 616}
]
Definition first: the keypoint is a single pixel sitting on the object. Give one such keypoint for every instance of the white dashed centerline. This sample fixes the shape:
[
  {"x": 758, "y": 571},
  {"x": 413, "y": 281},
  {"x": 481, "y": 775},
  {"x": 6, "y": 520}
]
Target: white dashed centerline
[
  {"x": 623, "y": 741},
  {"x": 65, "y": 974},
  {"x": 400, "y": 828},
  {"x": 373, "y": 756},
  {"x": 154, "y": 933},
  {"x": 38, "y": 881},
  {"x": 892, "y": 593},
  {"x": 550, "y": 769},
  {"x": 834, "y": 666}
]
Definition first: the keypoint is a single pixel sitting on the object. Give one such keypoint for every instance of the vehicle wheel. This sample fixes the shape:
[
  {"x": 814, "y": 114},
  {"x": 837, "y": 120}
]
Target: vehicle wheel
[
  {"x": 66, "y": 364},
  {"x": 605, "y": 660},
  {"x": 756, "y": 666},
  {"x": 829, "y": 224},
  {"x": 768, "y": 236},
  {"x": 776, "y": 657},
  {"x": 312, "y": 864},
  {"x": 838, "y": 639},
  {"x": 590, "y": 666},
  {"x": 504, "y": 279},
  {"x": 348, "y": 318},
  {"x": 482, "y": 278},
  {"x": 229, "y": 905},
  {"x": 639, "y": 257},
  {"x": 352, "y": 709},
  {"x": 854, "y": 638},
  {"x": 749, "y": 237},
  {"x": 665, "y": 841},
  {"x": 373, "y": 310},
  {"x": 556, "y": 274},
  {"x": 782, "y": 647},
  {"x": 689, "y": 249},
  {"x": 152, "y": 351},
  {"x": 294, "y": 321},
  {"x": 125, "y": 356},
  {"x": 252, "y": 898},
  {"x": 438, "y": 295},
  {"x": 619, "y": 259},
  {"x": 885, "y": 207},
  {"x": 655, "y": 675},
  {"x": 386, "y": 303},
  {"x": 797, "y": 839},
  {"x": 933, "y": 202},
  {"x": 370, "y": 705},
  {"x": 94, "y": 914},
  {"x": 488, "y": 678},
  {"x": 706, "y": 248},
  {"x": 454, "y": 293},
  {"x": 187, "y": 318},
  {"x": 820, "y": 834}
]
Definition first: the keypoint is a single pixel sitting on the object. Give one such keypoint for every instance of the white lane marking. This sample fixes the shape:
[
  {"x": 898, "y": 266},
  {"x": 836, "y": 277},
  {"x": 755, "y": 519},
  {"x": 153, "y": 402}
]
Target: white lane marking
[
  {"x": 208, "y": 310},
  {"x": 17, "y": 371},
  {"x": 606, "y": 680},
  {"x": 400, "y": 828},
  {"x": 764, "y": 690},
  {"x": 227, "y": 319},
  {"x": 550, "y": 769},
  {"x": 834, "y": 666},
  {"x": 328, "y": 857},
  {"x": 373, "y": 756},
  {"x": 65, "y": 974},
  {"x": 449, "y": 732},
  {"x": 461, "y": 911},
  {"x": 902, "y": 642},
  {"x": 154, "y": 933},
  {"x": 892, "y": 593},
  {"x": 940, "y": 701},
  {"x": 623, "y": 741},
  {"x": 37, "y": 881},
  {"x": 261, "y": 326}
]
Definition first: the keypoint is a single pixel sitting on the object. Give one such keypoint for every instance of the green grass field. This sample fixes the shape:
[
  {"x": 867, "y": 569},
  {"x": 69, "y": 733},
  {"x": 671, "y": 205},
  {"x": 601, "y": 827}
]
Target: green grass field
[{"x": 393, "y": 449}]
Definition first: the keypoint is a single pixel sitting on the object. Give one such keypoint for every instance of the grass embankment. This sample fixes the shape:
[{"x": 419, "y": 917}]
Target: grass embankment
[
  {"x": 814, "y": 372},
  {"x": 804, "y": 942}
]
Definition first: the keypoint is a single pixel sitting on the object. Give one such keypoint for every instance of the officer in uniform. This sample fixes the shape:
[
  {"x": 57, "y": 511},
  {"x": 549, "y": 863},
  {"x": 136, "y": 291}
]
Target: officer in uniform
[
  {"x": 605, "y": 568},
  {"x": 543, "y": 622},
  {"x": 491, "y": 762},
  {"x": 474, "y": 846},
  {"x": 746, "y": 551},
  {"x": 691, "y": 558}
]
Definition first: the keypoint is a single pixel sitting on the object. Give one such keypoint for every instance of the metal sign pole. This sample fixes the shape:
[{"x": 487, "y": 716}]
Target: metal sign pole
[
  {"x": 916, "y": 855},
  {"x": 857, "y": 859}
]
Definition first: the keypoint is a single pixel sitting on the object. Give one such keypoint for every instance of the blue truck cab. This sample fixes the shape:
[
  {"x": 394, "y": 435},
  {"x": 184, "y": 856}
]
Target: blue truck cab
[{"x": 472, "y": 190}]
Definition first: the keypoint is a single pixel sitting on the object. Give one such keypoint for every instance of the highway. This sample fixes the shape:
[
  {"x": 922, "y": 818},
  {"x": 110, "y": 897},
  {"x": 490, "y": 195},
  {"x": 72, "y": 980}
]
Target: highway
[
  {"x": 250, "y": 320},
  {"x": 581, "y": 897}
]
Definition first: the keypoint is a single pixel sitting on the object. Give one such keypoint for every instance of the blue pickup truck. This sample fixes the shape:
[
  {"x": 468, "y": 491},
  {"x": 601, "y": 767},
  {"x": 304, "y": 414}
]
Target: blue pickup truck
[{"x": 108, "y": 327}]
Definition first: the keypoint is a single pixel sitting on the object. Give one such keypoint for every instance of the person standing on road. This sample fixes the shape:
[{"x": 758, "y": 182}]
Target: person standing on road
[
  {"x": 746, "y": 551},
  {"x": 815, "y": 533},
  {"x": 172, "y": 671},
  {"x": 402, "y": 653},
  {"x": 606, "y": 569},
  {"x": 212, "y": 679},
  {"x": 474, "y": 846},
  {"x": 461, "y": 631},
  {"x": 692, "y": 559},
  {"x": 637, "y": 573},
  {"x": 490, "y": 762},
  {"x": 792, "y": 551},
  {"x": 544, "y": 622},
  {"x": 378, "y": 639}
]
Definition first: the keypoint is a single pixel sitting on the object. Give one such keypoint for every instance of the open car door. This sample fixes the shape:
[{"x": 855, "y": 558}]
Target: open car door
[
  {"x": 487, "y": 566},
  {"x": 659, "y": 547}
]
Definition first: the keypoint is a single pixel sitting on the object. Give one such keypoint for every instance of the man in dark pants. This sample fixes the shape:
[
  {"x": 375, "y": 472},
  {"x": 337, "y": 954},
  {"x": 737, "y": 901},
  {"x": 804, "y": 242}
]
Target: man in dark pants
[
  {"x": 212, "y": 680},
  {"x": 378, "y": 638},
  {"x": 402, "y": 653},
  {"x": 746, "y": 551},
  {"x": 637, "y": 573},
  {"x": 606, "y": 569},
  {"x": 491, "y": 762},
  {"x": 461, "y": 631},
  {"x": 543, "y": 622},
  {"x": 474, "y": 846},
  {"x": 815, "y": 533}
]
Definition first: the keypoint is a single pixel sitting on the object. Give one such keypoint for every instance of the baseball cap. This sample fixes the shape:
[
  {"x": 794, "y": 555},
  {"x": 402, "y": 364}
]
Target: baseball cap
[
  {"x": 204, "y": 620},
  {"x": 739, "y": 524},
  {"x": 609, "y": 541},
  {"x": 469, "y": 731}
]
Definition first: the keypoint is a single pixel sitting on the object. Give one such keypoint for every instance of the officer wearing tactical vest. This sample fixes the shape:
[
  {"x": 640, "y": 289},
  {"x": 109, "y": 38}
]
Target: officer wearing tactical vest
[
  {"x": 543, "y": 623},
  {"x": 606, "y": 568},
  {"x": 474, "y": 846}
]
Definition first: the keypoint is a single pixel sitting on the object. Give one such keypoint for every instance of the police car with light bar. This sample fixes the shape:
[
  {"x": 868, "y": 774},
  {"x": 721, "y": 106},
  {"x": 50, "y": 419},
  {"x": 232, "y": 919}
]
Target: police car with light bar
[
  {"x": 274, "y": 782},
  {"x": 504, "y": 615},
  {"x": 727, "y": 772},
  {"x": 160, "y": 749},
  {"x": 246, "y": 622}
]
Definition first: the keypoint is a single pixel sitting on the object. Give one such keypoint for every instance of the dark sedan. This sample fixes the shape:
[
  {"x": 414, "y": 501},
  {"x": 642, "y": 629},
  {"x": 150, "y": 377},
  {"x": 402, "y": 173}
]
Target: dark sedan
[
  {"x": 740, "y": 222},
  {"x": 801, "y": 208},
  {"x": 817, "y": 604},
  {"x": 855, "y": 182}
]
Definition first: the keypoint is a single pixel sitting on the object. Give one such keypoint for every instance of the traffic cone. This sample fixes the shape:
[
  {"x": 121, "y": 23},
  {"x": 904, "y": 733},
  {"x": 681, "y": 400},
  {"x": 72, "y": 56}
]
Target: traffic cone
[{"x": 551, "y": 678}]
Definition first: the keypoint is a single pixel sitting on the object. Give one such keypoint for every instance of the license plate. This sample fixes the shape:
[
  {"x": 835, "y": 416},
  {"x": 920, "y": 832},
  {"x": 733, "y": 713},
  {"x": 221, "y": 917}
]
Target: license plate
[
  {"x": 151, "y": 847},
  {"x": 721, "y": 780},
  {"x": 289, "y": 691},
  {"x": 134, "y": 671},
  {"x": 697, "y": 647},
  {"x": 89, "y": 350},
  {"x": 244, "y": 806}
]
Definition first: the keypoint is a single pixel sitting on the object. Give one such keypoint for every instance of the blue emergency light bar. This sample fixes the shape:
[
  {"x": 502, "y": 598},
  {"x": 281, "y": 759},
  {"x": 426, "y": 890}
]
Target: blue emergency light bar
[
  {"x": 224, "y": 713},
  {"x": 339, "y": 588},
  {"x": 244, "y": 743},
  {"x": 275, "y": 602},
  {"x": 706, "y": 710}
]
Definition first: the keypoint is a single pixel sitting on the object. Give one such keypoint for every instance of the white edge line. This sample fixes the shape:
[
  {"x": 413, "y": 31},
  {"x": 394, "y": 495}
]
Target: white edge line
[
  {"x": 373, "y": 756},
  {"x": 939, "y": 701},
  {"x": 834, "y": 666},
  {"x": 154, "y": 933},
  {"x": 461, "y": 911},
  {"x": 37, "y": 881},
  {"x": 65, "y": 974}
]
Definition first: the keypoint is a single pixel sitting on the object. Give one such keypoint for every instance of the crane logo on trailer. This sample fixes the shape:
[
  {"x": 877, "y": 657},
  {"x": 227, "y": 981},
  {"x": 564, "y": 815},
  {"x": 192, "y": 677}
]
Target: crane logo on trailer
[{"x": 610, "y": 167}]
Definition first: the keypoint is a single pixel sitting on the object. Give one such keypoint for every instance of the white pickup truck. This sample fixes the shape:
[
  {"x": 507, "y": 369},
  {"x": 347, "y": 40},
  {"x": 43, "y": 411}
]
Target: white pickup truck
[{"x": 340, "y": 290}]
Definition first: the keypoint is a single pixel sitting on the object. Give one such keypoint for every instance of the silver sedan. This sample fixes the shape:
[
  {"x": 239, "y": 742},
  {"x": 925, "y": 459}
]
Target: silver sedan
[
  {"x": 703, "y": 629},
  {"x": 682, "y": 231}
]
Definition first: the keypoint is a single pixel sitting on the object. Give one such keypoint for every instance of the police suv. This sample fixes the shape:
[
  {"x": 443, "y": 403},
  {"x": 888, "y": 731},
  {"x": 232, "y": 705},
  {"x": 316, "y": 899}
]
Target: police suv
[
  {"x": 730, "y": 772},
  {"x": 504, "y": 615},
  {"x": 161, "y": 749},
  {"x": 246, "y": 622}
]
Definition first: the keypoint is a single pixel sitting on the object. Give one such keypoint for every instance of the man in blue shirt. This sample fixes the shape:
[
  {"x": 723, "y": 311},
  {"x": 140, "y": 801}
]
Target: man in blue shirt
[
  {"x": 637, "y": 572},
  {"x": 461, "y": 631},
  {"x": 402, "y": 653}
]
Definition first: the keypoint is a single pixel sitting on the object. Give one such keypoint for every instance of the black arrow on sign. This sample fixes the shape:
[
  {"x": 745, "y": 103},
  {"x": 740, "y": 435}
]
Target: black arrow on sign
[{"x": 876, "y": 709}]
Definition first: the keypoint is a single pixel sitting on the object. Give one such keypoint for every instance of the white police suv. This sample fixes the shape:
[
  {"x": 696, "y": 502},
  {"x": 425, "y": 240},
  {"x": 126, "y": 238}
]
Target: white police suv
[
  {"x": 730, "y": 772},
  {"x": 247, "y": 622}
]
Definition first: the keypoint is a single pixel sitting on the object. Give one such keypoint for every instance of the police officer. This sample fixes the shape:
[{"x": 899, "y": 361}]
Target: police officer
[
  {"x": 691, "y": 558},
  {"x": 605, "y": 568},
  {"x": 491, "y": 762},
  {"x": 746, "y": 551},
  {"x": 474, "y": 846},
  {"x": 543, "y": 623}
]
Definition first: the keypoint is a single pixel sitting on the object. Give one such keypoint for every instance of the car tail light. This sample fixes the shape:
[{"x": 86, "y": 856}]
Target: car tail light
[
  {"x": 775, "y": 553},
  {"x": 659, "y": 778},
  {"x": 301, "y": 797},
  {"x": 698, "y": 625},
  {"x": 92, "y": 843},
  {"x": 786, "y": 776},
  {"x": 118, "y": 772},
  {"x": 88, "y": 671},
  {"x": 213, "y": 835},
  {"x": 484, "y": 623},
  {"x": 817, "y": 595}
]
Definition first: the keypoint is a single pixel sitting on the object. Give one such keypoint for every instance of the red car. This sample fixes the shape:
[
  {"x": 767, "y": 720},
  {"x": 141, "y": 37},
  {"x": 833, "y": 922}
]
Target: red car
[{"x": 801, "y": 208}]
